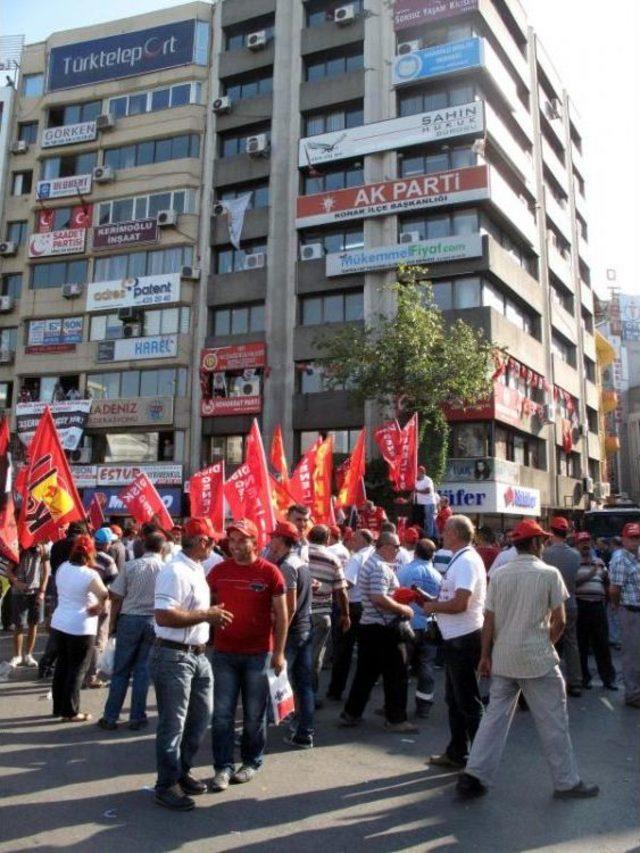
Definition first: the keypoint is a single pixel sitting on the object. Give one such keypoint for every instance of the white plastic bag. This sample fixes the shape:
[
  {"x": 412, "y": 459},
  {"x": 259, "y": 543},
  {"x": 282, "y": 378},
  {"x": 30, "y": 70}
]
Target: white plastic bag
[
  {"x": 281, "y": 695},
  {"x": 106, "y": 658}
]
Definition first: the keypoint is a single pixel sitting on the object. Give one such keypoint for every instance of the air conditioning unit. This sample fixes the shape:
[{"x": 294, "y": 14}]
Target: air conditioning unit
[
  {"x": 106, "y": 121},
  {"x": 548, "y": 414},
  {"x": 311, "y": 252},
  {"x": 132, "y": 330},
  {"x": 255, "y": 261},
  {"x": 103, "y": 174},
  {"x": 246, "y": 386},
  {"x": 82, "y": 454},
  {"x": 20, "y": 147},
  {"x": 257, "y": 40},
  {"x": 344, "y": 15},
  {"x": 408, "y": 47},
  {"x": 8, "y": 247},
  {"x": 6, "y": 356},
  {"x": 601, "y": 490},
  {"x": 167, "y": 218},
  {"x": 553, "y": 109},
  {"x": 258, "y": 145},
  {"x": 190, "y": 273},
  {"x": 222, "y": 105},
  {"x": 71, "y": 291},
  {"x": 410, "y": 237},
  {"x": 219, "y": 209},
  {"x": 6, "y": 304},
  {"x": 129, "y": 315},
  {"x": 587, "y": 485}
]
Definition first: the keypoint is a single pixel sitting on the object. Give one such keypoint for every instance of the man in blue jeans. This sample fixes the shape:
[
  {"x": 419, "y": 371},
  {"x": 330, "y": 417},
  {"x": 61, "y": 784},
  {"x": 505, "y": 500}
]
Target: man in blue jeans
[
  {"x": 132, "y": 596},
  {"x": 299, "y": 648},
  {"x": 252, "y": 589},
  {"x": 179, "y": 667}
]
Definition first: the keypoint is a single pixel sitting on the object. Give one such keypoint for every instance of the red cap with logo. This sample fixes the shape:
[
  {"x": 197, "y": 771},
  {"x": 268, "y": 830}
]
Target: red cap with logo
[
  {"x": 200, "y": 526},
  {"x": 286, "y": 530},
  {"x": 527, "y": 529},
  {"x": 583, "y": 536},
  {"x": 244, "y": 526},
  {"x": 631, "y": 529},
  {"x": 559, "y": 522}
]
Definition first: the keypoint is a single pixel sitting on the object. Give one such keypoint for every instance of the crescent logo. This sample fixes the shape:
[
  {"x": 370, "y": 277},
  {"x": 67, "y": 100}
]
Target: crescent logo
[
  {"x": 210, "y": 361},
  {"x": 34, "y": 244},
  {"x": 153, "y": 47}
]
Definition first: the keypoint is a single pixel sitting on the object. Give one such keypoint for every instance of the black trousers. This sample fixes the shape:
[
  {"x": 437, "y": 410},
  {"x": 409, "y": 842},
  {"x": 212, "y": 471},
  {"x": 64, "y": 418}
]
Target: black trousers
[
  {"x": 380, "y": 651},
  {"x": 50, "y": 653},
  {"x": 74, "y": 656},
  {"x": 593, "y": 633},
  {"x": 462, "y": 694},
  {"x": 343, "y": 645}
]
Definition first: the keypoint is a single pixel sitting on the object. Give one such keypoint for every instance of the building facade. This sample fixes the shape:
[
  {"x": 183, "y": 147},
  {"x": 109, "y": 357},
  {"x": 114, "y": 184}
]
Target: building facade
[{"x": 343, "y": 139}]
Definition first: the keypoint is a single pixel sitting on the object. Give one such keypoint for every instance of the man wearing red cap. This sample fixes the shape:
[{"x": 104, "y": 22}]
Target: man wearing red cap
[
  {"x": 625, "y": 595},
  {"x": 406, "y": 554},
  {"x": 524, "y": 618},
  {"x": 251, "y": 588},
  {"x": 179, "y": 667},
  {"x": 567, "y": 561}
]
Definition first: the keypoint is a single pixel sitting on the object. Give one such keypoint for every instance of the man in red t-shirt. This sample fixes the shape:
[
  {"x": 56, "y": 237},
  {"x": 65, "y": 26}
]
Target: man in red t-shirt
[
  {"x": 251, "y": 589},
  {"x": 371, "y": 517}
]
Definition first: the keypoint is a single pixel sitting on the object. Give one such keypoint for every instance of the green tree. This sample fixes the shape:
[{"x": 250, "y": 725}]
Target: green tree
[{"x": 412, "y": 362}]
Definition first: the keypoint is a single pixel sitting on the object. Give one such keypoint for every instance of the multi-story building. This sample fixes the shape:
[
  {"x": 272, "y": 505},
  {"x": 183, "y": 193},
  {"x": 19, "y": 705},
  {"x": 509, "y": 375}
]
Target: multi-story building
[{"x": 356, "y": 135}]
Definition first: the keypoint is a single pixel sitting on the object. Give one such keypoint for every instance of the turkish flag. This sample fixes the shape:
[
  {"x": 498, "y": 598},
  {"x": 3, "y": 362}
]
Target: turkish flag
[
  {"x": 9, "y": 546},
  {"x": 277, "y": 456},
  {"x": 206, "y": 494},
  {"x": 81, "y": 216},
  {"x": 50, "y": 498},
  {"x": 322, "y": 480},
  {"x": 95, "y": 515},
  {"x": 407, "y": 462},
  {"x": 144, "y": 504},
  {"x": 350, "y": 491},
  {"x": 44, "y": 220}
]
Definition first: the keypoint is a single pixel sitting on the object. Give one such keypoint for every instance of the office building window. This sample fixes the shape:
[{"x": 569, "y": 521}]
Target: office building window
[
  {"x": 68, "y": 165},
  {"x": 28, "y": 132},
  {"x": 6, "y": 395},
  {"x": 238, "y": 320},
  {"x": 156, "y": 99},
  {"x": 259, "y": 194},
  {"x": 333, "y": 63},
  {"x": 12, "y": 285},
  {"x": 229, "y": 448},
  {"x": 146, "y": 206},
  {"x": 161, "y": 321},
  {"x": 453, "y": 224},
  {"x": 167, "y": 382},
  {"x": 21, "y": 182},
  {"x": 229, "y": 259},
  {"x": 73, "y": 113},
  {"x": 33, "y": 85},
  {"x": 318, "y": 12},
  {"x": 419, "y": 163},
  {"x": 568, "y": 464},
  {"x": 58, "y": 273},
  {"x": 153, "y": 151},
  {"x": 563, "y": 349},
  {"x": 8, "y": 339},
  {"x": 136, "y": 264},
  {"x": 560, "y": 295},
  {"x": 519, "y": 447},
  {"x": 61, "y": 217},
  {"x": 248, "y": 85},
  {"x": 344, "y": 440},
  {"x": 338, "y": 240},
  {"x": 332, "y": 308},
  {"x": 335, "y": 178},
  {"x": 335, "y": 118},
  {"x": 469, "y": 440},
  {"x": 17, "y": 232},
  {"x": 234, "y": 143},
  {"x": 413, "y": 101},
  {"x": 235, "y": 37},
  {"x": 589, "y": 369},
  {"x": 592, "y": 419}
]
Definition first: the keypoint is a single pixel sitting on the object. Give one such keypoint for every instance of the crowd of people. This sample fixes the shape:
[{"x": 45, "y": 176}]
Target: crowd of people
[{"x": 206, "y": 616}]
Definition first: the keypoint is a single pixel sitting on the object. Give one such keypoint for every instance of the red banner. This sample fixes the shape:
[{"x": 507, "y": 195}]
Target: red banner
[
  {"x": 281, "y": 499},
  {"x": 407, "y": 463},
  {"x": 81, "y": 215},
  {"x": 206, "y": 494},
  {"x": 322, "y": 508},
  {"x": 350, "y": 491},
  {"x": 386, "y": 437},
  {"x": 144, "y": 503},
  {"x": 50, "y": 498},
  {"x": 239, "y": 357},
  {"x": 9, "y": 545},
  {"x": 95, "y": 514},
  {"x": 277, "y": 456},
  {"x": 251, "y": 405},
  {"x": 301, "y": 482}
]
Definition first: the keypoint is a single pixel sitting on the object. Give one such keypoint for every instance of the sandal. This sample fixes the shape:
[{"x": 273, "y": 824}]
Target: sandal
[
  {"x": 96, "y": 683},
  {"x": 79, "y": 718}
]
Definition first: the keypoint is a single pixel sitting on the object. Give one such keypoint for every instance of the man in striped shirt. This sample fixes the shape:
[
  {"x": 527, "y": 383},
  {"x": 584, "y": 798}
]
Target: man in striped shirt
[{"x": 592, "y": 582}]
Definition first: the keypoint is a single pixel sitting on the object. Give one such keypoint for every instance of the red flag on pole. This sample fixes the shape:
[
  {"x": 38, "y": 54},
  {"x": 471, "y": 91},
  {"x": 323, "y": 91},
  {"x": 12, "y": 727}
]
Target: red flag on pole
[
  {"x": 350, "y": 489},
  {"x": 322, "y": 480},
  {"x": 50, "y": 498},
  {"x": 301, "y": 482},
  {"x": 206, "y": 494},
  {"x": 95, "y": 514},
  {"x": 407, "y": 462},
  {"x": 277, "y": 456},
  {"x": 281, "y": 498},
  {"x": 9, "y": 545},
  {"x": 143, "y": 502},
  {"x": 387, "y": 437}
]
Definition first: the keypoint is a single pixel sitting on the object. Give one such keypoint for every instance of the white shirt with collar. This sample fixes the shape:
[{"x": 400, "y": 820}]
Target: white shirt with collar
[
  {"x": 352, "y": 570},
  {"x": 341, "y": 551},
  {"x": 465, "y": 571},
  {"x": 422, "y": 499},
  {"x": 182, "y": 585}
]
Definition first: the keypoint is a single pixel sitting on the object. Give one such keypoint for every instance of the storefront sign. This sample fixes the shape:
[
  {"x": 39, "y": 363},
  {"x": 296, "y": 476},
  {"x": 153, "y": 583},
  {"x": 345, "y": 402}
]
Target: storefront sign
[
  {"x": 84, "y": 476},
  {"x": 123, "y": 55},
  {"x": 70, "y": 418},
  {"x": 133, "y": 292},
  {"x": 411, "y": 13},
  {"x": 79, "y": 217},
  {"x": 250, "y": 404},
  {"x": 137, "y": 349},
  {"x": 61, "y": 187},
  {"x": 507, "y": 405},
  {"x": 125, "y": 233},
  {"x": 393, "y": 134},
  {"x": 70, "y": 241},
  {"x": 491, "y": 497},
  {"x": 55, "y": 335},
  {"x": 435, "y": 61},
  {"x": 388, "y": 257},
  {"x": 112, "y": 505},
  {"x": 234, "y": 357},
  {"x": 404, "y": 194},
  {"x": 134, "y": 411},
  {"x": 68, "y": 134},
  {"x": 160, "y": 474},
  {"x": 231, "y": 379},
  {"x": 481, "y": 468}
]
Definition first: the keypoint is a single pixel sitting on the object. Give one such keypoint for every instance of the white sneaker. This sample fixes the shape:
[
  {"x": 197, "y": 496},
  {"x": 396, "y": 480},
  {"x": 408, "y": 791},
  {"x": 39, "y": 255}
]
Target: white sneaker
[
  {"x": 15, "y": 661},
  {"x": 29, "y": 660}
]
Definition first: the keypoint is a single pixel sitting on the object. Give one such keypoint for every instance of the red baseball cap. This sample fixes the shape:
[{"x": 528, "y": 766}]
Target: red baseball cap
[
  {"x": 199, "y": 527},
  {"x": 411, "y": 535},
  {"x": 631, "y": 529},
  {"x": 527, "y": 529},
  {"x": 583, "y": 536},
  {"x": 245, "y": 526},
  {"x": 559, "y": 522},
  {"x": 335, "y": 531},
  {"x": 117, "y": 530},
  {"x": 286, "y": 530}
]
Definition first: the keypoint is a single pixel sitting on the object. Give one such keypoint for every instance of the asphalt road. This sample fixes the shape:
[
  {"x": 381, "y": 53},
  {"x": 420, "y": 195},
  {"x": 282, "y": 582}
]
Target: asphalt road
[{"x": 77, "y": 788}]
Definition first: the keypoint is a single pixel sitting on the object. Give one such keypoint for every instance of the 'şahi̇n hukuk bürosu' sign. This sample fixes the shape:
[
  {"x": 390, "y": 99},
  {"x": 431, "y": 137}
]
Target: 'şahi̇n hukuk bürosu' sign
[{"x": 458, "y": 186}]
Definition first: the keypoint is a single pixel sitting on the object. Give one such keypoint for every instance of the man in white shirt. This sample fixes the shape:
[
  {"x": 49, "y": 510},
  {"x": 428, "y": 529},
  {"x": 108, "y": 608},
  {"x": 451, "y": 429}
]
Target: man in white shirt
[
  {"x": 337, "y": 546},
  {"x": 425, "y": 501},
  {"x": 459, "y": 611},
  {"x": 179, "y": 667}
]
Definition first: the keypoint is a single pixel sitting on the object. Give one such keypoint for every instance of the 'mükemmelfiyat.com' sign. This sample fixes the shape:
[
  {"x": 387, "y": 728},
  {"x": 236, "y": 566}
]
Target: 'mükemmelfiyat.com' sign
[
  {"x": 123, "y": 55},
  {"x": 422, "y": 252}
]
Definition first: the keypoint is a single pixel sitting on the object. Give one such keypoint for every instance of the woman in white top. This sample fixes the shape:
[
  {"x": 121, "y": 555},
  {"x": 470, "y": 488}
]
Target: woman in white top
[{"x": 81, "y": 598}]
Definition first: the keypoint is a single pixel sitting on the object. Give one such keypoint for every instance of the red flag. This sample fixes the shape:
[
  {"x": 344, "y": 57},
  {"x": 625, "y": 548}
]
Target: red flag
[
  {"x": 206, "y": 494},
  {"x": 387, "y": 439},
  {"x": 301, "y": 482},
  {"x": 322, "y": 479},
  {"x": 143, "y": 502},
  {"x": 350, "y": 490},
  {"x": 281, "y": 498},
  {"x": 96, "y": 517},
  {"x": 50, "y": 498},
  {"x": 248, "y": 489},
  {"x": 9, "y": 545},
  {"x": 277, "y": 456},
  {"x": 407, "y": 463}
]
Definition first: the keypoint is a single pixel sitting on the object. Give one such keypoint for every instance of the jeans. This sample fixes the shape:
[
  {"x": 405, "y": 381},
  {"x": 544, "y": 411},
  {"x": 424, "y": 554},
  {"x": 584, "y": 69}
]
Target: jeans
[
  {"x": 321, "y": 623},
  {"x": 134, "y": 639},
  {"x": 462, "y": 695},
  {"x": 630, "y": 635},
  {"x": 74, "y": 656},
  {"x": 380, "y": 650},
  {"x": 184, "y": 694},
  {"x": 593, "y": 632},
  {"x": 421, "y": 656},
  {"x": 298, "y": 653},
  {"x": 429, "y": 520},
  {"x": 343, "y": 653},
  {"x": 239, "y": 675}
]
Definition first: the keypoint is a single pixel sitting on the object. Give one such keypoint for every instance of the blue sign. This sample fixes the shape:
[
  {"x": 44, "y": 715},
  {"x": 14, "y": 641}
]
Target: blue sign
[
  {"x": 123, "y": 55},
  {"x": 172, "y": 499},
  {"x": 434, "y": 61}
]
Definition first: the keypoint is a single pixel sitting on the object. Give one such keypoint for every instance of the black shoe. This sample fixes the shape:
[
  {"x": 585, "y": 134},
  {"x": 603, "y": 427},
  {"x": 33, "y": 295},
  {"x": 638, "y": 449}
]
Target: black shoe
[
  {"x": 468, "y": 787},
  {"x": 106, "y": 725},
  {"x": 578, "y": 792},
  {"x": 575, "y": 692},
  {"x": 586, "y": 685},
  {"x": 299, "y": 741},
  {"x": 609, "y": 685},
  {"x": 191, "y": 785},
  {"x": 173, "y": 798},
  {"x": 136, "y": 725}
]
